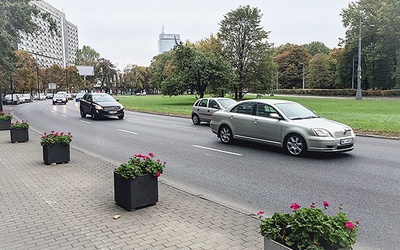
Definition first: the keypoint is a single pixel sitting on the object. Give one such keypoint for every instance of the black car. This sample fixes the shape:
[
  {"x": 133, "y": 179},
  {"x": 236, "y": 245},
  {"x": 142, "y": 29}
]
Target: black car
[{"x": 100, "y": 105}]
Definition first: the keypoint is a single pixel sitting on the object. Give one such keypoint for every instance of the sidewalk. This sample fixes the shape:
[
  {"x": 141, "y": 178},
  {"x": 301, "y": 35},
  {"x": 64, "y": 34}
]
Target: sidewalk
[{"x": 71, "y": 206}]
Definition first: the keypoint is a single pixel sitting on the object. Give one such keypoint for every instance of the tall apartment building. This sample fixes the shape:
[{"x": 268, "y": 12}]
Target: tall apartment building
[
  {"x": 51, "y": 49},
  {"x": 166, "y": 42}
]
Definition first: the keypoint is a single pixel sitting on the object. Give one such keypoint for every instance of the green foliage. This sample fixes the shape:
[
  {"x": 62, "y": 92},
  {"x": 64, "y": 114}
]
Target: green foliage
[
  {"x": 139, "y": 165},
  {"x": 321, "y": 72},
  {"x": 55, "y": 138},
  {"x": 86, "y": 56},
  {"x": 105, "y": 71},
  {"x": 310, "y": 228},
  {"x": 244, "y": 44},
  {"x": 291, "y": 60},
  {"x": 317, "y": 48},
  {"x": 4, "y": 116},
  {"x": 19, "y": 125}
]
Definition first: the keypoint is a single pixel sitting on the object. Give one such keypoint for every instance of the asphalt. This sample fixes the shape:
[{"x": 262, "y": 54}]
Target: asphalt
[{"x": 71, "y": 206}]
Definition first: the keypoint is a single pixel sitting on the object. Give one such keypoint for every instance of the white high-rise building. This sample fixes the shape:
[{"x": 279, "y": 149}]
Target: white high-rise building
[
  {"x": 166, "y": 42},
  {"x": 49, "y": 49}
]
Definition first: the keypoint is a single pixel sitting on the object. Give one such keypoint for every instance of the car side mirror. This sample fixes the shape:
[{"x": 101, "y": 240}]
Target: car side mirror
[{"x": 275, "y": 116}]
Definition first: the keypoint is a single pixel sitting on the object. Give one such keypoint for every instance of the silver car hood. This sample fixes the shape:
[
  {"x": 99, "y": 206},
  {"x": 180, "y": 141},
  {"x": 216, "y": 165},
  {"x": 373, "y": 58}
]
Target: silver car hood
[{"x": 330, "y": 125}]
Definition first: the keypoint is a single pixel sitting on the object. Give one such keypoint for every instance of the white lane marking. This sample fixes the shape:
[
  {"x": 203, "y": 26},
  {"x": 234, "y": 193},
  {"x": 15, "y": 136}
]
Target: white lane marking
[
  {"x": 86, "y": 122},
  {"x": 64, "y": 115},
  {"x": 127, "y": 131},
  {"x": 179, "y": 126},
  {"x": 217, "y": 150}
]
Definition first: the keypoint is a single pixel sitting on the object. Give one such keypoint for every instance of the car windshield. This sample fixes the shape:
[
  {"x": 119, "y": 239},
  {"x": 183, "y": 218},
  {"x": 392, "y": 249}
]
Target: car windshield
[
  {"x": 296, "y": 111},
  {"x": 103, "y": 98},
  {"x": 59, "y": 96},
  {"x": 226, "y": 102}
]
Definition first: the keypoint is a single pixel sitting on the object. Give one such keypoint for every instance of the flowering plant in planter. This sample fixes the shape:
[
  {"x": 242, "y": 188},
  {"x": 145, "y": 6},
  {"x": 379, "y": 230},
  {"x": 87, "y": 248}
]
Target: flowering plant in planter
[
  {"x": 5, "y": 117},
  {"x": 310, "y": 228},
  {"x": 19, "y": 125},
  {"x": 139, "y": 165},
  {"x": 55, "y": 137}
]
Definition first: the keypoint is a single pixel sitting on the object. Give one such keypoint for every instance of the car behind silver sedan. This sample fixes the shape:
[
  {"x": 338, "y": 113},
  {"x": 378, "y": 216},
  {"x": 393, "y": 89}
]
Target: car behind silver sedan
[
  {"x": 204, "y": 108},
  {"x": 281, "y": 123}
]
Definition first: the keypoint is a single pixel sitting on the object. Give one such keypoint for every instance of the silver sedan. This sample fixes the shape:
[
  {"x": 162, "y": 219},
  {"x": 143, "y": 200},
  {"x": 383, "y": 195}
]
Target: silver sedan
[{"x": 281, "y": 123}]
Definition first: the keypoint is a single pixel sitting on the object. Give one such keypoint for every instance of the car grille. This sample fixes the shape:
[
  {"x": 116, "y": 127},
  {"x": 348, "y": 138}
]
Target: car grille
[
  {"x": 340, "y": 134},
  {"x": 112, "y": 108},
  {"x": 345, "y": 146}
]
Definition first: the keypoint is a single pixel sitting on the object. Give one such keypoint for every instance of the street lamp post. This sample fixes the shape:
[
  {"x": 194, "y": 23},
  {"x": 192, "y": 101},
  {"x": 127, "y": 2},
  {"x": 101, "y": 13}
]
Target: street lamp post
[{"x": 358, "y": 92}]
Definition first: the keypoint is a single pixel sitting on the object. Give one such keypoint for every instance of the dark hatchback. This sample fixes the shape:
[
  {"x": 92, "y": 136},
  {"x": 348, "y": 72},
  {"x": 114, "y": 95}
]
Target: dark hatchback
[{"x": 100, "y": 105}]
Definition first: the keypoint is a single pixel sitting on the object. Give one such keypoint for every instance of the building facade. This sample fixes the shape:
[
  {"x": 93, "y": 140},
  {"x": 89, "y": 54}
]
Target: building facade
[
  {"x": 48, "y": 48},
  {"x": 166, "y": 42}
]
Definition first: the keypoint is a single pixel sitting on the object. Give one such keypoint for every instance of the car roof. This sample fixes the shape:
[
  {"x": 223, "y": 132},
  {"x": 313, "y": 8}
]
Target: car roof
[{"x": 268, "y": 101}]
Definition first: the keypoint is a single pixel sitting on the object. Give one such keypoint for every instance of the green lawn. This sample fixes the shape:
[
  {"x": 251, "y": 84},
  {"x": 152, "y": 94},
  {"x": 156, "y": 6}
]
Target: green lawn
[{"x": 373, "y": 116}]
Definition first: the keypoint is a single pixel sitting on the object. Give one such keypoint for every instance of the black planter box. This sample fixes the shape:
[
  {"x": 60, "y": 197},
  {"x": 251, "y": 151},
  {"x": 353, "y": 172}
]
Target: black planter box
[
  {"x": 131, "y": 194},
  {"x": 5, "y": 124},
  {"x": 19, "y": 135},
  {"x": 56, "y": 153}
]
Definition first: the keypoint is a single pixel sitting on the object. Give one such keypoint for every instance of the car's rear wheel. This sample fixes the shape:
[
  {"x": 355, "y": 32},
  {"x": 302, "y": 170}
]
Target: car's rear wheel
[
  {"x": 225, "y": 134},
  {"x": 83, "y": 114},
  {"x": 295, "y": 145},
  {"x": 195, "y": 119}
]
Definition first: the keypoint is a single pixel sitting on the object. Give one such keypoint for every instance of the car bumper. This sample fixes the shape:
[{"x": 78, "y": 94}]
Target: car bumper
[
  {"x": 102, "y": 113},
  {"x": 214, "y": 127},
  {"x": 330, "y": 144}
]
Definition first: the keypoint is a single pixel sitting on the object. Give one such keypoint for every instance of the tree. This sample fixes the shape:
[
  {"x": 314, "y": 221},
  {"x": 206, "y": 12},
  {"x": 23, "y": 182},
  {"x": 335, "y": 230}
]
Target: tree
[
  {"x": 17, "y": 18},
  {"x": 321, "y": 72},
  {"x": 380, "y": 45},
  {"x": 106, "y": 72},
  {"x": 160, "y": 68},
  {"x": 134, "y": 78},
  {"x": 244, "y": 44},
  {"x": 86, "y": 56},
  {"x": 72, "y": 79},
  {"x": 291, "y": 61},
  {"x": 195, "y": 69},
  {"x": 25, "y": 76},
  {"x": 317, "y": 48}
]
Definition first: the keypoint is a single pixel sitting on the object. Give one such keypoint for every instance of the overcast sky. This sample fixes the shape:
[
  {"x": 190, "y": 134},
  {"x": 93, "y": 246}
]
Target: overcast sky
[{"x": 126, "y": 31}]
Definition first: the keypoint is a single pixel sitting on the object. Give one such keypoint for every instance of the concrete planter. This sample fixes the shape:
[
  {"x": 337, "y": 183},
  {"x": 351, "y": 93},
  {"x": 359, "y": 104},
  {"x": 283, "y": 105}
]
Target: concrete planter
[
  {"x": 57, "y": 153},
  {"x": 19, "y": 135},
  {"x": 5, "y": 124},
  {"x": 131, "y": 194},
  {"x": 273, "y": 245}
]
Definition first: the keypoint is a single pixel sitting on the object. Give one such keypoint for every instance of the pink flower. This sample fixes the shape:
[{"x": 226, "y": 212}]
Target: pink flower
[
  {"x": 158, "y": 174},
  {"x": 69, "y": 133},
  {"x": 312, "y": 205},
  {"x": 151, "y": 154},
  {"x": 52, "y": 131},
  {"x": 357, "y": 222},
  {"x": 326, "y": 204},
  {"x": 349, "y": 225},
  {"x": 147, "y": 158},
  {"x": 164, "y": 162},
  {"x": 295, "y": 206},
  {"x": 260, "y": 213},
  {"x": 45, "y": 133}
]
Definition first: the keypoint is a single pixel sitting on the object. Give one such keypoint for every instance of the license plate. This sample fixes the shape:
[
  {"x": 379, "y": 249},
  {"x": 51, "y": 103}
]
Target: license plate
[
  {"x": 112, "y": 112},
  {"x": 346, "y": 141}
]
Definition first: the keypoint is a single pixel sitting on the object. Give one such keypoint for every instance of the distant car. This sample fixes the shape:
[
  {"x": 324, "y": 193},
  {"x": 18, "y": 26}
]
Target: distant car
[
  {"x": 69, "y": 96},
  {"x": 49, "y": 96},
  {"x": 22, "y": 98},
  {"x": 39, "y": 97},
  {"x": 63, "y": 93},
  {"x": 59, "y": 99},
  {"x": 12, "y": 99},
  {"x": 280, "y": 123},
  {"x": 100, "y": 105},
  {"x": 28, "y": 97},
  {"x": 204, "y": 108},
  {"x": 79, "y": 96}
]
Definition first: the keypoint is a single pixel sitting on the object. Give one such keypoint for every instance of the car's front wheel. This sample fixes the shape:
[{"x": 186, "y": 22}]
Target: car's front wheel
[
  {"x": 94, "y": 116},
  {"x": 83, "y": 114},
  {"x": 225, "y": 134},
  {"x": 295, "y": 145},
  {"x": 195, "y": 119}
]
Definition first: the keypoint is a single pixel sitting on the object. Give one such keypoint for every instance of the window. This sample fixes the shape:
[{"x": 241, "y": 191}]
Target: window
[
  {"x": 203, "y": 103},
  {"x": 243, "y": 108},
  {"x": 213, "y": 104}
]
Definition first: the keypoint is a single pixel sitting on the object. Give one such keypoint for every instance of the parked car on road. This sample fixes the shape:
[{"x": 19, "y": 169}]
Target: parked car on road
[
  {"x": 63, "y": 93},
  {"x": 59, "y": 99},
  {"x": 28, "y": 97},
  {"x": 39, "y": 97},
  {"x": 100, "y": 105},
  {"x": 280, "y": 123},
  {"x": 12, "y": 99},
  {"x": 204, "y": 108}
]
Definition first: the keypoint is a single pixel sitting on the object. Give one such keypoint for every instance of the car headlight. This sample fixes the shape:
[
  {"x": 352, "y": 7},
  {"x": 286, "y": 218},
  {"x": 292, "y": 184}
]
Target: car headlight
[
  {"x": 98, "y": 107},
  {"x": 321, "y": 132}
]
